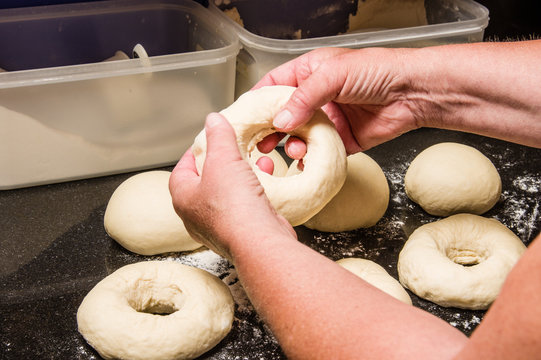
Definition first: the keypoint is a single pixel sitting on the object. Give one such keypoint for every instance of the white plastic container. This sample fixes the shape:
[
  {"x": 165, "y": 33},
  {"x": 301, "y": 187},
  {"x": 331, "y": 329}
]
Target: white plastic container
[
  {"x": 449, "y": 21},
  {"x": 65, "y": 113}
]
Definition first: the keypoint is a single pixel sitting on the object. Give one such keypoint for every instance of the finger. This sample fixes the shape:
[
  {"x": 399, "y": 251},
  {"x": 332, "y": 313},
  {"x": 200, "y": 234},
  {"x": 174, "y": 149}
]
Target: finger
[
  {"x": 295, "y": 71},
  {"x": 284, "y": 74},
  {"x": 314, "y": 92},
  {"x": 183, "y": 178},
  {"x": 295, "y": 148},
  {"x": 186, "y": 164},
  {"x": 336, "y": 114},
  {"x": 221, "y": 142},
  {"x": 269, "y": 142},
  {"x": 266, "y": 164}
]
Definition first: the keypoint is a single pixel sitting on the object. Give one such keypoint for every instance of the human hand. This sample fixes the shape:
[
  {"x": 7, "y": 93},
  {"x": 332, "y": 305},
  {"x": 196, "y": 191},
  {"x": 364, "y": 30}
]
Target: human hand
[
  {"x": 364, "y": 93},
  {"x": 226, "y": 204}
]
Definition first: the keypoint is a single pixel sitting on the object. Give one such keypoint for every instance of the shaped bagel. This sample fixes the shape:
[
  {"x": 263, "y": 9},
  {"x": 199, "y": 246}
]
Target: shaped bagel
[
  {"x": 461, "y": 261},
  {"x": 156, "y": 310},
  {"x": 297, "y": 197}
]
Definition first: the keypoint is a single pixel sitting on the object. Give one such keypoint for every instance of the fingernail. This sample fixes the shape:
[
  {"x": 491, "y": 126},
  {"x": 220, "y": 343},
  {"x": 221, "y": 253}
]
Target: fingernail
[
  {"x": 282, "y": 120},
  {"x": 213, "y": 119}
]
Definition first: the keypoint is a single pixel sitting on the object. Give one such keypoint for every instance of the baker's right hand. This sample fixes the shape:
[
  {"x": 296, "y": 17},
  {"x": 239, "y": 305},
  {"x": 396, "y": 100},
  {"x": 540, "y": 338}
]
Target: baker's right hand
[
  {"x": 364, "y": 92},
  {"x": 224, "y": 207}
]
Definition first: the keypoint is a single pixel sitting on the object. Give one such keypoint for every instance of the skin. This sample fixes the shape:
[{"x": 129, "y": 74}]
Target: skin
[
  {"x": 315, "y": 308},
  {"x": 374, "y": 95}
]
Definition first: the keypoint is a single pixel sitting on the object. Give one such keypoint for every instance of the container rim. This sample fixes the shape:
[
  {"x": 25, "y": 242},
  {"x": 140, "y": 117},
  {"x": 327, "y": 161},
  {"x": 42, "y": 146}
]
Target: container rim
[
  {"x": 120, "y": 67},
  {"x": 369, "y": 38}
]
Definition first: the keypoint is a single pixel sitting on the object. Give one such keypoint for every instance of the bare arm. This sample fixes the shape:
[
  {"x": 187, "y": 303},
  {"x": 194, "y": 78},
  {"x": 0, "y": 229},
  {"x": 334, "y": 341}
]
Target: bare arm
[
  {"x": 374, "y": 95},
  {"x": 318, "y": 310},
  {"x": 491, "y": 89}
]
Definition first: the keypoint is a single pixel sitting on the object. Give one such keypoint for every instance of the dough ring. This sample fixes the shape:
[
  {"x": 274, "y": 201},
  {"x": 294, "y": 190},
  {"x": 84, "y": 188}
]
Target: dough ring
[
  {"x": 156, "y": 310},
  {"x": 376, "y": 275},
  {"x": 140, "y": 216},
  {"x": 461, "y": 261},
  {"x": 297, "y": 197}
]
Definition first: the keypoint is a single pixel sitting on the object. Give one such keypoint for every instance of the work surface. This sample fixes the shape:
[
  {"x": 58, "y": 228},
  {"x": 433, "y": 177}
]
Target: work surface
[{"x": 54, "y": 249}]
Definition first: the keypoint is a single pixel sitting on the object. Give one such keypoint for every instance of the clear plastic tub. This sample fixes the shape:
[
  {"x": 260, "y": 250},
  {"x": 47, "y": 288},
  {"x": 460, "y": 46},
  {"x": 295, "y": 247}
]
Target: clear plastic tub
[
  {"x": 65, "y": 113},
  {"x": 446, "y": 22}
]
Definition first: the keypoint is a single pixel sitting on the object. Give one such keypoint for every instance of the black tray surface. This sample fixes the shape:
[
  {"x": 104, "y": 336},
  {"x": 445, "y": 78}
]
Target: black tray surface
[{"x": 54, "y": 249}]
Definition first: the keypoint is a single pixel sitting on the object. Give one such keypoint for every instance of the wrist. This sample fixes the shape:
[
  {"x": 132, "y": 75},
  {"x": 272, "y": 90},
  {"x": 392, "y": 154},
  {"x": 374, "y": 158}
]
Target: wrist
[
  {"x": 252, "y": 242},
  {"x": 429, "y": 91}
]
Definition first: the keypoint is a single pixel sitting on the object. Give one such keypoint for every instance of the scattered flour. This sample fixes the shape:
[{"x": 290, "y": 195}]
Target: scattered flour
[
  {"x": 208, "y": 260},
  {"x": 204, "y": 259},
  {"x": 521, "y": 206},
  {"x": 465, "y": 323}
]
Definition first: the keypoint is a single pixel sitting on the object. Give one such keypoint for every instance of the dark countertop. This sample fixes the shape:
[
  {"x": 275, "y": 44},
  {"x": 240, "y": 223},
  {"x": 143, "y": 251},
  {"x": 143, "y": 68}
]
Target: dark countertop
[{"x": 54, "y": 249}]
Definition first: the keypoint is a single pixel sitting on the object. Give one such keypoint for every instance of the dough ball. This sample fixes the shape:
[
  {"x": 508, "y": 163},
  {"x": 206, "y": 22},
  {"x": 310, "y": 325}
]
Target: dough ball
[
  {"x": 461, "y": 261},
  {"x": 361, "y": 201},
  {"x": 156, "y": 310},
  {"x": 451, "y": 178},
  {"x": 376, "y": 275},
  {"x": 140, "y": 216}
]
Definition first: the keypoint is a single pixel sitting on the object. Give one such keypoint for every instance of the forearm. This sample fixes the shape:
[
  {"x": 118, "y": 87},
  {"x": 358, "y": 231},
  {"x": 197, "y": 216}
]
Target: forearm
[
  {"x": 319, "y": 310},
  {"x": 490, "y": 89}
]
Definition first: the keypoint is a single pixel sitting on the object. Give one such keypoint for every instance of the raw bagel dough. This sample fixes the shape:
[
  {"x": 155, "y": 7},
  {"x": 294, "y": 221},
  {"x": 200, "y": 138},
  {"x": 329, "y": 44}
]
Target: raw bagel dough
[
  {"x": 299, "y": 197},
  {"x": 361, "y": 201},
  {"x": 140, "y": 216},
  {"x": 280, "y": 165},
  {"x": 156, "y": 310},
  {"x": 451, "y": 178},
  {"x": 433, "y": 262},
  {"x": 376, "y": 275}
]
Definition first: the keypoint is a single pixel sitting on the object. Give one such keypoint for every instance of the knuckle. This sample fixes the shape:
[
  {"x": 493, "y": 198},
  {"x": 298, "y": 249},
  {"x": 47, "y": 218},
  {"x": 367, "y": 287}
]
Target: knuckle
[{"x": 301, "y": 100}]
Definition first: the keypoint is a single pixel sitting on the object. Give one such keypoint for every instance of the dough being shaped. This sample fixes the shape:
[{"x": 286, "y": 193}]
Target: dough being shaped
[
  {"x": 451, "y": 178},
  {"x": 461, "y": 261},
  {"x": 156, "y": 310},
  {"x": 361, "y": 201},
  {"x": 140, "y": 216},
  {"x": 280, "y": 165},
  {"x": 297, "y": 198},
  {"x": 376, "y": 275}
]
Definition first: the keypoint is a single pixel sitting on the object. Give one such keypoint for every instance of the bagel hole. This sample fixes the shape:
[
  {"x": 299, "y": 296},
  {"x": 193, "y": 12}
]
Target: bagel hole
[
  {"x": 160, "y": 308},
  {"x": 464, "y": 257},
  {"x": 280, "y": 148},
  {"x": 150, "y": 298}
]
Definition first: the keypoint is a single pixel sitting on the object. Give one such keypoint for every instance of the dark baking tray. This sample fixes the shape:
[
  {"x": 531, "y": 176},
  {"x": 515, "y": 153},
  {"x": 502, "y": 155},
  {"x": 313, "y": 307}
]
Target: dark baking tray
[{"x": 54, "y": 249}]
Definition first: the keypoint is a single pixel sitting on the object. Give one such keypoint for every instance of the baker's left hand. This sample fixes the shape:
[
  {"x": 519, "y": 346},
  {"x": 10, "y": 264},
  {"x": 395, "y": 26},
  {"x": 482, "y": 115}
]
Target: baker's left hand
[{"x": 227, "y": 202}]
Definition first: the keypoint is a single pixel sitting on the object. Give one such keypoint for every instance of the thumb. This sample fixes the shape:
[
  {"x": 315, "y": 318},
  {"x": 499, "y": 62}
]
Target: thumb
[
  {"x": 221, "y": 140},
  {"x": 314, "y": 92}
]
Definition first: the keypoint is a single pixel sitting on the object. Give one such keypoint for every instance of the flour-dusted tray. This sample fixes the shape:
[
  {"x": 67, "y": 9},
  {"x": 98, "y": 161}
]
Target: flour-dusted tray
[{"x": 54, "y": 250}]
